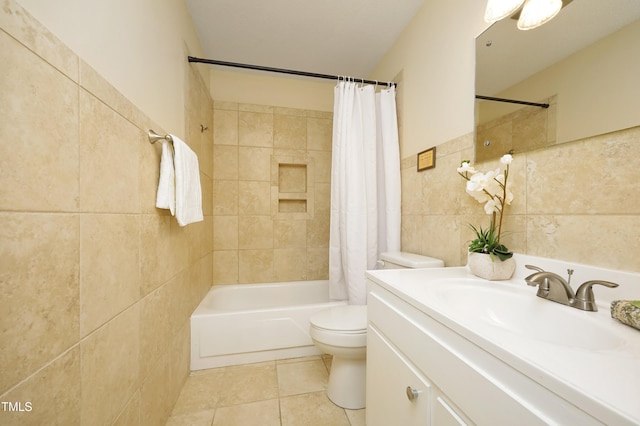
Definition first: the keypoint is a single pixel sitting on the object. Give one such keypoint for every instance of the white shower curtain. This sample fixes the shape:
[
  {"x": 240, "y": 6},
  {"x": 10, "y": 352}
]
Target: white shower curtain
[{"x": 365, "y": 187}]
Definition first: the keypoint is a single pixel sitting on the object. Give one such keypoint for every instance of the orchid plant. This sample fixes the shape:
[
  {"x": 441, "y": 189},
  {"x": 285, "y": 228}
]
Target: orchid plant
[{"x": 491, "y": 189}]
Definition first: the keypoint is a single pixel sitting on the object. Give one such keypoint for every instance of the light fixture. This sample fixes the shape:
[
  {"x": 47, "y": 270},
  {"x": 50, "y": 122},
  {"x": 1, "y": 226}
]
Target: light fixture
[
  {"x": 500, "y": 9},
  {"x": 533, "y": 14},
  {"x": 538, "y": 12}
]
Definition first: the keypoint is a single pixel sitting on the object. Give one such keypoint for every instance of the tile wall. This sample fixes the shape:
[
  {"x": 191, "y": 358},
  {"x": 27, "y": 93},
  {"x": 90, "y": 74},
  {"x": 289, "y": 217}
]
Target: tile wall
[
  {"x": 578, "y": 201},
  {"x": 96, "y": 284},
  {"x": 259, "y": 237}
]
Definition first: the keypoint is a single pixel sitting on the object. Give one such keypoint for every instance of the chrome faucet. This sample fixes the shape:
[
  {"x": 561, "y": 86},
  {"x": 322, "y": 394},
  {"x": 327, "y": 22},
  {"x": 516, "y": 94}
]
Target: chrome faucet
[{"x": 552, "y": 286}]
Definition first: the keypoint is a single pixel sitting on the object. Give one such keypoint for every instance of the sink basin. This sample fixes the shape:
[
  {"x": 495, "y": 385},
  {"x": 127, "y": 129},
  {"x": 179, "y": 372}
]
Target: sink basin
[{"x": 511, "y": 308}]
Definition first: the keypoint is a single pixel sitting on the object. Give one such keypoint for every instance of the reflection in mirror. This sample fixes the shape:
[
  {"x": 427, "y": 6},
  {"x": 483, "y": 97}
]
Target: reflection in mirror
[{"x": 584, "y": 63}]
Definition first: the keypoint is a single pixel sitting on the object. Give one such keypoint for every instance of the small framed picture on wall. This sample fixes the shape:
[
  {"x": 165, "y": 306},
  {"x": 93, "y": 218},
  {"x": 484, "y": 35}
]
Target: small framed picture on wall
[{"x": 427, "y": 159}]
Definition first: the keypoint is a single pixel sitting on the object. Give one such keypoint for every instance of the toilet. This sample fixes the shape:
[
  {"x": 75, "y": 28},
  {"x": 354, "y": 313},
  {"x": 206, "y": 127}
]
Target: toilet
[{"x": 342, "y": 332}]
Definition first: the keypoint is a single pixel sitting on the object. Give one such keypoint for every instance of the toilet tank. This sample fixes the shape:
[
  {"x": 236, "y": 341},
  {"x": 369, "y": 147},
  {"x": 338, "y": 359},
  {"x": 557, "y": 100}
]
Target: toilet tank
[{"x": 404, "y": 260}]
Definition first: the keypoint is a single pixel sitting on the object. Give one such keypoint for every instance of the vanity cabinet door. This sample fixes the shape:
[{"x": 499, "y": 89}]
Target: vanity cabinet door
[
  {"x": 397, "y": 394},
  {"x": 444, "y": 413}
]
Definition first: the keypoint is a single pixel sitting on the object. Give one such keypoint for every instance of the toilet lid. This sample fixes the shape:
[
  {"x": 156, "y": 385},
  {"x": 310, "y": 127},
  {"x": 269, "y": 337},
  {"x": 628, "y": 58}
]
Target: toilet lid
[
  {"x": 411, "y": 260},
  {"x": 342, "y": 318}
]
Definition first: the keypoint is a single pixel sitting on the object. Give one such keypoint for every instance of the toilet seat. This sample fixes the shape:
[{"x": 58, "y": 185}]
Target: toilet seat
[
  {"x": 342, "y": 326},
  {"x": 342, "y": 319},
  {"x": 337, "y": 339}
]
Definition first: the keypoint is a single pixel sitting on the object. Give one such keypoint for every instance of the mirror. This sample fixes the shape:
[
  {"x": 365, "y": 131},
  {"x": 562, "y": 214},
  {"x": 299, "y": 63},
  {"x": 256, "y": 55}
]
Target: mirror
[{"x": 584, "y": 63}]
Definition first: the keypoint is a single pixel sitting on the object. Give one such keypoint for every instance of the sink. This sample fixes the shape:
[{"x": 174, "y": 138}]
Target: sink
[
  {"x": 586, "y": 358},
  {"x": 509, "y": 307}
]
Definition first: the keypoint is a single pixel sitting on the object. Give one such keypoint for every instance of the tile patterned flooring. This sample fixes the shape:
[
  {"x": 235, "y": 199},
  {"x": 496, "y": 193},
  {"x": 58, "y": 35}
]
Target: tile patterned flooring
[{"x": 289, "y": 392}]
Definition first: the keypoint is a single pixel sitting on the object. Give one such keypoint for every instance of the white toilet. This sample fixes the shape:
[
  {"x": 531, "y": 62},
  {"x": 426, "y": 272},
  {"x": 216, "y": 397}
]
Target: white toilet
[{"x": 342, "y": 333}]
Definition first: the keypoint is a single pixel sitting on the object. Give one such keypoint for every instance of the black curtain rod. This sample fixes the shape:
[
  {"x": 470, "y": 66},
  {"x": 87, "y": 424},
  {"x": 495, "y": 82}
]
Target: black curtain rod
[
  {"x": 511, "y": 101},
  {"x": 285, "y": 71}
]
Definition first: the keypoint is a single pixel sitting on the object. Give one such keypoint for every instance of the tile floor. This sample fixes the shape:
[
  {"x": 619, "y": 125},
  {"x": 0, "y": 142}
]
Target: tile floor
[{"x": 287, "y": 392}]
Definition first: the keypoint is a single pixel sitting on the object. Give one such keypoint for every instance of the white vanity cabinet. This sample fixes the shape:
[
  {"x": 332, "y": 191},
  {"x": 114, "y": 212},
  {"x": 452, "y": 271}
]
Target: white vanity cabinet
[
  {"x": 455, "y": 381},
  {"x": 389, "y": 403},
  {"x": 402, "y": 394}
]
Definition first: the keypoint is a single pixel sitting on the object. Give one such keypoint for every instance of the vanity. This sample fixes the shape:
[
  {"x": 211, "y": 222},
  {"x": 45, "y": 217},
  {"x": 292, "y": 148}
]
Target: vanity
[{"x": 447, "y": 348}]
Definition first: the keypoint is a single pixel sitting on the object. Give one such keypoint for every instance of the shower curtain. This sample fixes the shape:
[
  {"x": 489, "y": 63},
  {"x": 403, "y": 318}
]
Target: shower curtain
[{"x": 365, "y": 187}]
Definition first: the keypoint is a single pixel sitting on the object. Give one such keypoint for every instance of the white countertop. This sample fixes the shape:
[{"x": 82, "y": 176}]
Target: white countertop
[{"x": 598, "y": 370}]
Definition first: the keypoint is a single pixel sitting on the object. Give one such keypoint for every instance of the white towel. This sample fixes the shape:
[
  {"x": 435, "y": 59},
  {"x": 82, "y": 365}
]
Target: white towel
[
  {"x": 188, "y": 190},
  {"x": 166, "y": 196}
]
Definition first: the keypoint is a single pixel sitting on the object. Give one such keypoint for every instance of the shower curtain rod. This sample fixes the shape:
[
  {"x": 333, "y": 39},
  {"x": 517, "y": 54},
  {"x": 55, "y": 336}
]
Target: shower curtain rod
[
  {"x": 511, "y": 101},
  {"x": 285, "y": 71}
]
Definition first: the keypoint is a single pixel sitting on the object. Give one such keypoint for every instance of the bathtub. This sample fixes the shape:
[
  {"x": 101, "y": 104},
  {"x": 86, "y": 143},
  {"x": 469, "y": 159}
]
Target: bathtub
[{"x": 240, "y": 324}]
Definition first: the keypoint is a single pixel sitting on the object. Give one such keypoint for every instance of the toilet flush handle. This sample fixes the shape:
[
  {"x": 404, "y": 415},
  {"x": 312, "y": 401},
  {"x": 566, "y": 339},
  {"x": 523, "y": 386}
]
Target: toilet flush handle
[
  {"x": 380, "y": 264},
  {"x": 412, "y": 393}
]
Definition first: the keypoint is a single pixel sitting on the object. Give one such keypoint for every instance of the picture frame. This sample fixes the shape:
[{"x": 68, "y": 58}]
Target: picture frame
[{"x": 427, "y": 159}]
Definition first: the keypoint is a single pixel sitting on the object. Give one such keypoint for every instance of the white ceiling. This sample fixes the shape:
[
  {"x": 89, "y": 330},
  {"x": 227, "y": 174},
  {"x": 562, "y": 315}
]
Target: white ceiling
[
  {"x": 339, "y": 37},
  {"x": 349, "y": 37}
]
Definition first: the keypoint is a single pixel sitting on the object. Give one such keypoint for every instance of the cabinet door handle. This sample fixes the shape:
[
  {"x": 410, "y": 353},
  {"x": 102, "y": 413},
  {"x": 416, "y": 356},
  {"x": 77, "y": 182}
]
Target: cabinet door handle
[{"x": 412, "y": 393}]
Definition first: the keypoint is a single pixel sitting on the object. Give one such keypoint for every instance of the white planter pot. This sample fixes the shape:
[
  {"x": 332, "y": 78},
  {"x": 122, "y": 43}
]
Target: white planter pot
[{"x": 490, "y": 267}]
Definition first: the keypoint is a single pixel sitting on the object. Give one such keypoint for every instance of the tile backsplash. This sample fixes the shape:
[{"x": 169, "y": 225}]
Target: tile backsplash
[{"x": 576, "y": 201}]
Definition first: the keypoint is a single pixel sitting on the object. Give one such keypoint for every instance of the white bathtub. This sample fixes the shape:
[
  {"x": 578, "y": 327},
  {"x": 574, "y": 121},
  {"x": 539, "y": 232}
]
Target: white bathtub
[{"x": 239, "y": 324}]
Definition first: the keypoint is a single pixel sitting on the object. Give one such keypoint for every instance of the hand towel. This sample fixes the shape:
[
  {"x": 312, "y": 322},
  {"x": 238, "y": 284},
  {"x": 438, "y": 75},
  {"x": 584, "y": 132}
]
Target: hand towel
[
  {"x": 627, "y": 312},
  {"x": 188, "y": 190},
  {"x": 166, "y": 196}
]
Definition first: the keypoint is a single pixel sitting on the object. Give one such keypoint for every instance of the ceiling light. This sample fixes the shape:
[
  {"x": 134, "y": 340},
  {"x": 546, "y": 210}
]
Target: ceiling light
[
  {"x": 538, "y": 12},
  {"x": 499, "y": 9}
]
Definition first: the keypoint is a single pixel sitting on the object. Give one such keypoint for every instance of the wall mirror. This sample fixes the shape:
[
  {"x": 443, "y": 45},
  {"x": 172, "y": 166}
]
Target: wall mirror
[{"x": 584, "y": 63}]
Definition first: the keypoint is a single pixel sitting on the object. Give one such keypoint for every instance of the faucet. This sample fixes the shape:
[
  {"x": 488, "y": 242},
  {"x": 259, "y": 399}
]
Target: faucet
[{"x": 553, "y": 287}]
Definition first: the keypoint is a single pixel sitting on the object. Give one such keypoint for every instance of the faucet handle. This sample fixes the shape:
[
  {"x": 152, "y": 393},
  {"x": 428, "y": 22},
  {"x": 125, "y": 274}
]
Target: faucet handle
[
  {"x": 585, "y": 299},
  {"x": 532, "y": 280},
  {"x": 535, "y": 268}
]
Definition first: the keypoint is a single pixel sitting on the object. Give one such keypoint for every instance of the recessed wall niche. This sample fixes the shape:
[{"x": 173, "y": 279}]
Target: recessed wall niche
[{"x": 292, "y": 189}]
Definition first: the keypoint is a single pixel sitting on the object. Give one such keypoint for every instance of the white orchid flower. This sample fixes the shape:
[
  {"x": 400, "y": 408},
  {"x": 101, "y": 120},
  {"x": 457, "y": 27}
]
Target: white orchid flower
[
  {"x": 509, "y": 197},
  {"x": 475, "y": 188},
  {"x": 476, "y": 182},
  {"x": 479, "y": 196},
  {"x": 466, "y": 167},
  {"x": 506, "y": 159},
  {"x": 491, "y": 206},
  {"x": 491, "y": 190},
  {"x": 485, "y": 185},
  {"x": 491, "y": 184}
]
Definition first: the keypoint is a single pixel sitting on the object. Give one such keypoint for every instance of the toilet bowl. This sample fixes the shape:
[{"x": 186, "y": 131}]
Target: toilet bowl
[{"x": 342, "y": 332}]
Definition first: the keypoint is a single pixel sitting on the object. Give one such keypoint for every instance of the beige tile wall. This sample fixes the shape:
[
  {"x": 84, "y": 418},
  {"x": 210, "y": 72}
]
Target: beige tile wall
[
  {"x": 256, "y": 240},
  {"x": 96, "y": 284},
  {"x": 578, "y": 202}
]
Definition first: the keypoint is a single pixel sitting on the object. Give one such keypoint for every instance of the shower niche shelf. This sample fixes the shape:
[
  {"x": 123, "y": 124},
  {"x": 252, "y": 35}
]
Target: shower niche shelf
[{"x": 292, "y": 186}]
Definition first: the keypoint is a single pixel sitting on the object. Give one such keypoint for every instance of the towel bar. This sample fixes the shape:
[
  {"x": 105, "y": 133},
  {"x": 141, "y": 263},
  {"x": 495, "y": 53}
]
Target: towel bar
[{"x": 154, "y": 137}]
